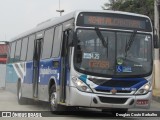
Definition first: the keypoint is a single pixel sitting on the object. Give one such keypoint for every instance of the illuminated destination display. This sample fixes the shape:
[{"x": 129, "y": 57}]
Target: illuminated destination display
[
  {"x": 114, "y": 20},
  {"x": 110, "y": 21}
]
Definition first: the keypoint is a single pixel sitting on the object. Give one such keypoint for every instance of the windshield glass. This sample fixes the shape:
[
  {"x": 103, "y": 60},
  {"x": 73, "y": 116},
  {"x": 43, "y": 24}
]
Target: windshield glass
[{"x": 94, "y": 58}]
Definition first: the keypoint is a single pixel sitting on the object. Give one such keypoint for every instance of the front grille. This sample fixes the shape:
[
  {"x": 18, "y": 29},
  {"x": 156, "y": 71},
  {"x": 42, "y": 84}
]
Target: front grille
[
  {"x": 119, "y": 83},
  {"x": 118, "y": 91},
  {"x": 113, "y": 100}
]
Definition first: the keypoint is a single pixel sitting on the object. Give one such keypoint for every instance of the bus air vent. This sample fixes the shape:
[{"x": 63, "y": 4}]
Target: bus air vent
[{"x": 112, "y": 100}]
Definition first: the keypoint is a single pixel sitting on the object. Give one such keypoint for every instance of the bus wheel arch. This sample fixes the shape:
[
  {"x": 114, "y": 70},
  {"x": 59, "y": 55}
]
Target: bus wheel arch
[
  {"x": 53, "y": 103},
  {"x": 51, "y": 83}
]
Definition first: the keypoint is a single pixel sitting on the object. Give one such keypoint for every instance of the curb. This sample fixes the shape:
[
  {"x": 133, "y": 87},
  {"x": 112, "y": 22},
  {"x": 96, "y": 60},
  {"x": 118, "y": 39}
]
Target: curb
[
  {"x": 156, "y": 98},
  {"x": 156, "y": 95}
]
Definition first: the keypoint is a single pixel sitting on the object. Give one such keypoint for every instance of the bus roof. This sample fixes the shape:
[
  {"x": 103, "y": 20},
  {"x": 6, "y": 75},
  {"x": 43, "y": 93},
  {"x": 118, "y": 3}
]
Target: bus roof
[{"x": 55, "y": 21}]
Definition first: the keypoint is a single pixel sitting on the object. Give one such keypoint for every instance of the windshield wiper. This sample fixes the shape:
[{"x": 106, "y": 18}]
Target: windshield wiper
[
  {"x": 129, "y": 44},
  {"x": 104, "y": 43}
]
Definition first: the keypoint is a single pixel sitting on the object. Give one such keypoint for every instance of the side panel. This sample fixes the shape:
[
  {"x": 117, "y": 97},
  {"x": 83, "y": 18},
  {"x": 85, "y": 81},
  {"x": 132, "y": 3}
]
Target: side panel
[
  {"x": 23, "y": 71},
  {"x": 27, "y": 84},
  {"x": 14, "y": 72},
  {"x": 48, "y": 71}
]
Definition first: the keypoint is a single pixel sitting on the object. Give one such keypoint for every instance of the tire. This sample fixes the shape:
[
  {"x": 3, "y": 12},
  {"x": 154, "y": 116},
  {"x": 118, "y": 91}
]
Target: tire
[
  {"x": 54, "y": 106},
  {"x": 21, "y": 100}
]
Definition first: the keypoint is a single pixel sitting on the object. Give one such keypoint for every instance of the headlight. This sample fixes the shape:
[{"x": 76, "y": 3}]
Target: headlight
[
  {"x": 144, "y": 89},
  {"x": 81, "y": 85}
]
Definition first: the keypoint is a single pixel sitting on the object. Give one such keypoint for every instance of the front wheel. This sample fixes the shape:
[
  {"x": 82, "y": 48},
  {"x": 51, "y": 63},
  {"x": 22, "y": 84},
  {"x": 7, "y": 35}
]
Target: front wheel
[{"x": 54, "y": 106}]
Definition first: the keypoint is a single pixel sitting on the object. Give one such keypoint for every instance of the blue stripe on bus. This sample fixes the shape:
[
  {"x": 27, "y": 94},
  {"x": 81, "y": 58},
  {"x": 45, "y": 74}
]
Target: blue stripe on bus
[
  {"x": 83, "y": 78},
  {"x": 29, "y": 73},
  {"x": 47, "y": 71},
  {"x": 141, "y": 82}
]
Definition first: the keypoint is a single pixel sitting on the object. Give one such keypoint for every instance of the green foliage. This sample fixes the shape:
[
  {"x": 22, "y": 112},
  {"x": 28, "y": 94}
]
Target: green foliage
[{"x": 145, "y": 7}]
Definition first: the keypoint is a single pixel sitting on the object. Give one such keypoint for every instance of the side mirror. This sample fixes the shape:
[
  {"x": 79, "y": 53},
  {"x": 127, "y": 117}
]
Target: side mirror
[{"x": 156, "y": 41}]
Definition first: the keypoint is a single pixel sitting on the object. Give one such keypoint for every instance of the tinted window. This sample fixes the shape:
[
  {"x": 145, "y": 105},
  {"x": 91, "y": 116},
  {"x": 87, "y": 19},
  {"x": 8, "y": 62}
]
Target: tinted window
[
  {"x": 12, "y": 51},
  {"x": 24, "y": 49},
  {"x": 57, "y": 41},
  {"x": 47, "y": 45},
  {"x": 30, "y": 47},
  {"x": 18, "y": 50}
]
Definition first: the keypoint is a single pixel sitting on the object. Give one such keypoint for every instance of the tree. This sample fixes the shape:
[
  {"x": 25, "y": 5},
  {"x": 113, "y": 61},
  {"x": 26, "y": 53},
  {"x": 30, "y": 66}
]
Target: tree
[
  {"x": 145, "y": 7},
  {"x": 113, "y": 5}
]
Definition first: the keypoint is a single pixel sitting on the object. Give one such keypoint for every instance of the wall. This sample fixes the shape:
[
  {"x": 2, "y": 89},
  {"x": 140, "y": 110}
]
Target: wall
[{"x": 2, "y": 75}]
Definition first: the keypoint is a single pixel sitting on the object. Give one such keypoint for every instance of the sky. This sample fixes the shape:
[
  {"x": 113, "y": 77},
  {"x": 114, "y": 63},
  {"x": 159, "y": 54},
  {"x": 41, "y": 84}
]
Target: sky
[{"x": 18, "y": 16}]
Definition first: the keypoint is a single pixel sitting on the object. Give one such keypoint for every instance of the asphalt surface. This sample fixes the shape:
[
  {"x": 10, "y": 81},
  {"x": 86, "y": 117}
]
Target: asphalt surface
[{"x": 8, "y": 102}]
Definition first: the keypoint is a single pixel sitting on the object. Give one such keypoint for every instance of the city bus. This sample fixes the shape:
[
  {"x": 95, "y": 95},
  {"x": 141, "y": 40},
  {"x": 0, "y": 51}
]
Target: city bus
[
  {"x": 93, "y": 59},
  {"x": 3, "y": 52},
  {"x": 3, "y": 60}
]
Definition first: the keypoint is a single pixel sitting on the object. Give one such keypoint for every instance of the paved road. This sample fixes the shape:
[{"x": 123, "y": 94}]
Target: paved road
[{"x": 8, "y": 102}]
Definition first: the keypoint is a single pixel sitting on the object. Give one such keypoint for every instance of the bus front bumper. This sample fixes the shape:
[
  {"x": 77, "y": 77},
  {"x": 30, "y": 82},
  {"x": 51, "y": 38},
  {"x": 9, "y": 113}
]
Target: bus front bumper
[{"x": 83, "y": 99}]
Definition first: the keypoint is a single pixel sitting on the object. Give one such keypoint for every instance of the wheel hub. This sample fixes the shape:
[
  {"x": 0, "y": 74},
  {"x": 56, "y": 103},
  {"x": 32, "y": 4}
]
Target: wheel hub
[
  {"x": 19, "y": 93},
  {"x": 53, "y": 98}
]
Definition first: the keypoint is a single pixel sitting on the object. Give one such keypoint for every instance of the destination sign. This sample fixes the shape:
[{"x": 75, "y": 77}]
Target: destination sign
[{"x": 112, "y": 20}]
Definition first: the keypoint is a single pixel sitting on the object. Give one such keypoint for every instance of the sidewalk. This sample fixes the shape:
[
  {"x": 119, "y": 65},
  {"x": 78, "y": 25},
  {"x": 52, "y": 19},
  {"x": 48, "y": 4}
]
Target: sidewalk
[{"x": 156, "y": 95}]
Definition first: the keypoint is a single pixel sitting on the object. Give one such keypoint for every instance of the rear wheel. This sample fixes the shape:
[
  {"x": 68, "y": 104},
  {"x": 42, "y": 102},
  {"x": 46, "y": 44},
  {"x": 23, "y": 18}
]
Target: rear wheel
[{"x": 21, "y": 100}]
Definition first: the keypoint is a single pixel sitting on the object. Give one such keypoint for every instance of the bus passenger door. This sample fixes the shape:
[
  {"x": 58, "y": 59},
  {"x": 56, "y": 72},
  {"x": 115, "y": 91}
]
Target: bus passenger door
[
  {"x": 65, "y": 69},
  {"x": 36, "y": 60}
]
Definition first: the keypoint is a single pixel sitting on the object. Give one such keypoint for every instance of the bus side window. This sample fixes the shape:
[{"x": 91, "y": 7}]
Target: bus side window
[
  {"x": 48, "y": 40},
  {"x": 24, "y": 49},
  {"x": 18, "y": 50},
  {"x": 30, "y": 47},
  {"x": 57, "y": 41}
]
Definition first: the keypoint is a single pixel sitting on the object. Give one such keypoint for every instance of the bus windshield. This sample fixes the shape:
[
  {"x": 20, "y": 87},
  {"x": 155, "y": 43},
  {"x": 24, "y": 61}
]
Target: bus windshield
[{"x": 92, "y": 57}]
